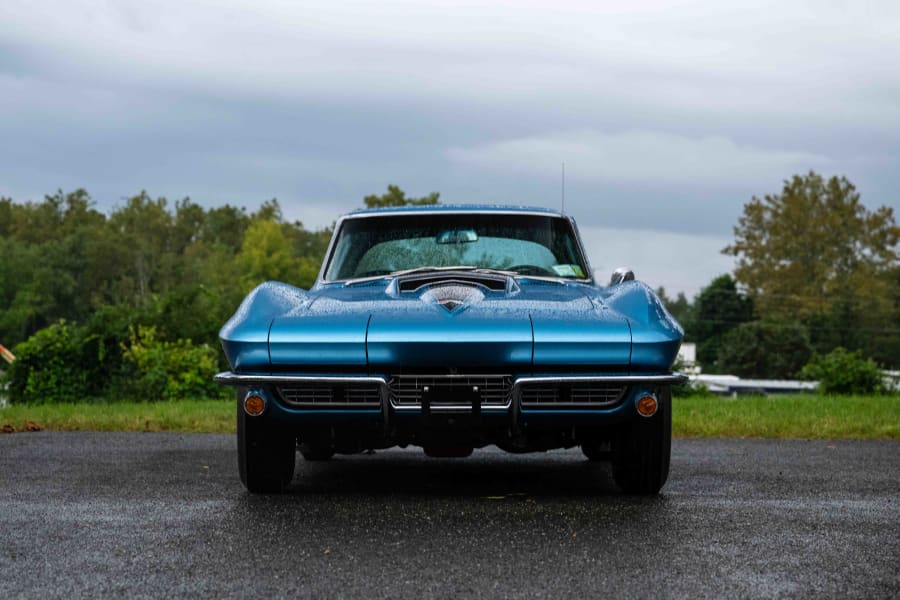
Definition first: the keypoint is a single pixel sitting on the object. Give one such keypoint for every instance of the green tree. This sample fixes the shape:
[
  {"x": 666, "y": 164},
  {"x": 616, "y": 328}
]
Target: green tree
[
  {"x": 160, "y": 370},
  {"x": 397, "y": 197},
  {"x": 265, "y": 254},
  {"x": 718, "y": 309},
  {"x": 814, "y": 254},
  {"x": 47, "y": 271},
  {"x": 843, "y": 372},
  {"x": 57, "y": 364},
  {"x": 224, "y": 225},
  {"x": 764, "y": 350},
  {"x": 145, "y": 228},
  {"x": 75, "y": 283}
]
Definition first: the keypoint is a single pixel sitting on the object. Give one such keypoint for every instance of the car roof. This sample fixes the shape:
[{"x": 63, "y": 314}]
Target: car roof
[{"x": 457, "y": 208}]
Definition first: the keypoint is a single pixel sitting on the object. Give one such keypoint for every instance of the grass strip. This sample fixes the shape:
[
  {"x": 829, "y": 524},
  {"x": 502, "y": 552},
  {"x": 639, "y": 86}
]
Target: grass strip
[
  {"x": 788, "y": 416},
  {"x": 209, "y": 416},
  {"x": 793, "y": 416}
]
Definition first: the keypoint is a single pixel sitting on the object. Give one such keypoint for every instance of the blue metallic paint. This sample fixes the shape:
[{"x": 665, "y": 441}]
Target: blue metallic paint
[
  {"x": 655, "y": 334},
  {"x": 570, "y": 330},
  {"x": 468, "y": 339},
  {"x": 540, "y": 325},
  {"x": 245, "y": 336},
  {"x": 536, "y": 326},
  {"x": 316, "y": 339}
]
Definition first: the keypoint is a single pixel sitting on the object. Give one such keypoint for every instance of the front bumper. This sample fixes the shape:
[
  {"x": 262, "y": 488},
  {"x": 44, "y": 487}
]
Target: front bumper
[{"x": 517, "y": 400}]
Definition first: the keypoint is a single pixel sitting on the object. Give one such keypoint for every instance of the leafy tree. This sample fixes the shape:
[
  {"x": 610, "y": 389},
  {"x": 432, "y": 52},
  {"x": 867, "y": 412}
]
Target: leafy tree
[
  {"x": 6, "y": 216},
  {"x": 186, "y": 225},
  {"x": 764, "y": 350},
  {"x": 19, "y": 266},
  {"x": 844, "y": 372},
  {"x": 270, "y": 210},
  {"x": 797, "y": 248},
  {"x": 58, "y": 364},
  {"x": 718, "y": 309},
  {"x": 95, "y": 302},
  {"x": 46, "y": 272},
  {"x": 813, "y": 253},
  {"x": 397, "y": 197},
  {"x": 160, "y": 370},
  {"x": 265, "y": 254},
  {"x": 144, "y": 226},
  {"x": 75, "y": 284},
  {"x": 224, "y": 225}
]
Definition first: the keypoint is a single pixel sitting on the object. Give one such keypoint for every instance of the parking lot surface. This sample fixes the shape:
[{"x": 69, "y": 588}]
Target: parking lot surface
[{"x": 154, "y": 515}]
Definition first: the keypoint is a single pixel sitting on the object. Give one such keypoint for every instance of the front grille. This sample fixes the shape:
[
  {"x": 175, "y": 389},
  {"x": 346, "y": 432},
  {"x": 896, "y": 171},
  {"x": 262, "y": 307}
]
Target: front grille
[
  {"x": 450, "y": 390},
  {"x": 326, "y": 395},
  {"x": 570, "y": 395}
]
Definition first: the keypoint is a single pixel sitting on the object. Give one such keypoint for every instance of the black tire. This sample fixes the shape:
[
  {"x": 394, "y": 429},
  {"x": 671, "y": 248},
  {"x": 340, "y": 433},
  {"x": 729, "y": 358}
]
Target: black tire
[
  {"x": 316, "y": 452},
  {"x": 641, "y": 451},
  {"x": 266, "y": 452},
  {"x": 595, "y": 452}
]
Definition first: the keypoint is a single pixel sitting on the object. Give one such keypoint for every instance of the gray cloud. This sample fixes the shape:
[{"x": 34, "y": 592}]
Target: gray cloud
[
  {"x": 669, "y": 115},
  {"x": 639, "y": 156}
]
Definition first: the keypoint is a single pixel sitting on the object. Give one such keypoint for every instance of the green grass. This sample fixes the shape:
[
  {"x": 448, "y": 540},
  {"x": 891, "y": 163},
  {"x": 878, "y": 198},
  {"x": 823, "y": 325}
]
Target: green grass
[
  {"x": 212, "y": 416},
  {"x": 789, "y": 416},
  {"x": 800, "y": 416}
]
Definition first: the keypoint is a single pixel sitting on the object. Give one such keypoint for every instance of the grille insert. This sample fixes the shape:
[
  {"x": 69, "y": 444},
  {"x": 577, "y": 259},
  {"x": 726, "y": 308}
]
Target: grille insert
[
  {"x": 326, "y": 395},
  {"x": 450, "y": 390},
  {"x": 571, "y": 395}
]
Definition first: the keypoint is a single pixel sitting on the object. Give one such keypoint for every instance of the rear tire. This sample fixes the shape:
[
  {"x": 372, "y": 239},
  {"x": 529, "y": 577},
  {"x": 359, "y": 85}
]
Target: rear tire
[
  {"x": 266, "y": 452},
  {"x": 641, "y": 452}
]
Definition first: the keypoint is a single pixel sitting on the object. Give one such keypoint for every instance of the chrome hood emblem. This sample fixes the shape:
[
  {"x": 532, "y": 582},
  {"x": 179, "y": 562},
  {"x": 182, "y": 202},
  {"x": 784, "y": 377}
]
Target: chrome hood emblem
[{"x": 453, "y": 295}]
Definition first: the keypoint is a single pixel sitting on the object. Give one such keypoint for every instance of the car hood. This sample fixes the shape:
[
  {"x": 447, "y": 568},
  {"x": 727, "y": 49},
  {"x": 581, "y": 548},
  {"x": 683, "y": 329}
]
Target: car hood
[{"x": 450, "y": 324}]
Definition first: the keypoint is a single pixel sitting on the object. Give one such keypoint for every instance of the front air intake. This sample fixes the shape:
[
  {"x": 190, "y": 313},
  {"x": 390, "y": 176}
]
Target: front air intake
[
  {"x": 571, "y": 395},
  {"x": 326, "y": 395},
  {"x": 487, "y": 281}
]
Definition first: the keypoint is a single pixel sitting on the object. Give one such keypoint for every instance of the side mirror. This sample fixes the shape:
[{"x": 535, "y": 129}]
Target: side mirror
[{"x": 621, "y": 274}]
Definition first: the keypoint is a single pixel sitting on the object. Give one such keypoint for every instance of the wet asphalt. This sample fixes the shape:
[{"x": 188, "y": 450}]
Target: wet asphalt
[{"x": 164, "y": 515}]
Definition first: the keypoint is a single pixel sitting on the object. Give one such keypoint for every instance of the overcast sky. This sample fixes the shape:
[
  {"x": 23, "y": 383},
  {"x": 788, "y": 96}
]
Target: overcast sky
[{"x": 669, "y": 116}]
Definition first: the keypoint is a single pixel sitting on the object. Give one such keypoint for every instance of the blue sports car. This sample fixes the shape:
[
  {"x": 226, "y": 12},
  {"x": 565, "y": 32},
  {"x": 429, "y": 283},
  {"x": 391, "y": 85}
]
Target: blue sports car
[{"x": 452, "y": 328}]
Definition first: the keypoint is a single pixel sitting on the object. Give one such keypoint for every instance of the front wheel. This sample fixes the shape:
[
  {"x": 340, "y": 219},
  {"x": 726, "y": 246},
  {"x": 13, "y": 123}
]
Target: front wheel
[
  {"x": 642, "y": 450},
  {"x": 596, "y": 451},
  {"x": 266, "y": 453}
]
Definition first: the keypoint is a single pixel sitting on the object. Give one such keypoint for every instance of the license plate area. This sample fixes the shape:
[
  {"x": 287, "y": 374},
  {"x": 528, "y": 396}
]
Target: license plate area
[{"x": 451, "y": 398}]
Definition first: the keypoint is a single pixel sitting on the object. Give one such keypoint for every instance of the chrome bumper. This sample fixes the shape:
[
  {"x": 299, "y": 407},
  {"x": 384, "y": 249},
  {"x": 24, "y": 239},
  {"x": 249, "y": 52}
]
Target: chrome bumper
[{"x": 448, "y": 393}]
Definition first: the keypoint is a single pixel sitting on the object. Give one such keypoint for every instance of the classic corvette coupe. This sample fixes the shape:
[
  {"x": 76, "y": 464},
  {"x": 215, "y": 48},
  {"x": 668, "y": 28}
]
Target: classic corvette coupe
[{"x": 453, "y": 328}]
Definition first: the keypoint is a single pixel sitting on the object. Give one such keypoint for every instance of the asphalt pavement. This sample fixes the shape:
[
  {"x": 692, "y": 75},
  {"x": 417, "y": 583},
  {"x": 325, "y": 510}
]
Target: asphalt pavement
[{"x": 164, "y": 515}]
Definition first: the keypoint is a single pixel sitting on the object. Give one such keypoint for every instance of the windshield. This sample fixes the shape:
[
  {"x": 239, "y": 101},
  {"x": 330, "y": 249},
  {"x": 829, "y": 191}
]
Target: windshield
[{"x": 538, "y": 245}]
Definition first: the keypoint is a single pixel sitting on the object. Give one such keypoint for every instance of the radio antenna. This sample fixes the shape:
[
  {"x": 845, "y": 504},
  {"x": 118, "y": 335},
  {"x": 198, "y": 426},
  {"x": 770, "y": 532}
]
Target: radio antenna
[{"x": 564, "y": 187}]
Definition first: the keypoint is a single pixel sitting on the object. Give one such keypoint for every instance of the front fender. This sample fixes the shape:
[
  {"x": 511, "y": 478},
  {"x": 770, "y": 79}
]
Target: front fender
[
  {"x": 245, "y": 336},
  {"x": 655, "y": 334}
]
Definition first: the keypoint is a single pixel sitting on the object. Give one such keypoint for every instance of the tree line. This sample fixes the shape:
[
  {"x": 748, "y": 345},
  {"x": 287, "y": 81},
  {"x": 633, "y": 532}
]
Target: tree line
[
  {"x": 816, "y": 270},
  {"x": 129, "y": 303}
]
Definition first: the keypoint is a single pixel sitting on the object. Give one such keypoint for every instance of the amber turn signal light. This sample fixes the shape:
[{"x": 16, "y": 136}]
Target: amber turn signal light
[
  {"x": 254, "y": 405},
  {"x": 647, "y": 405}
]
